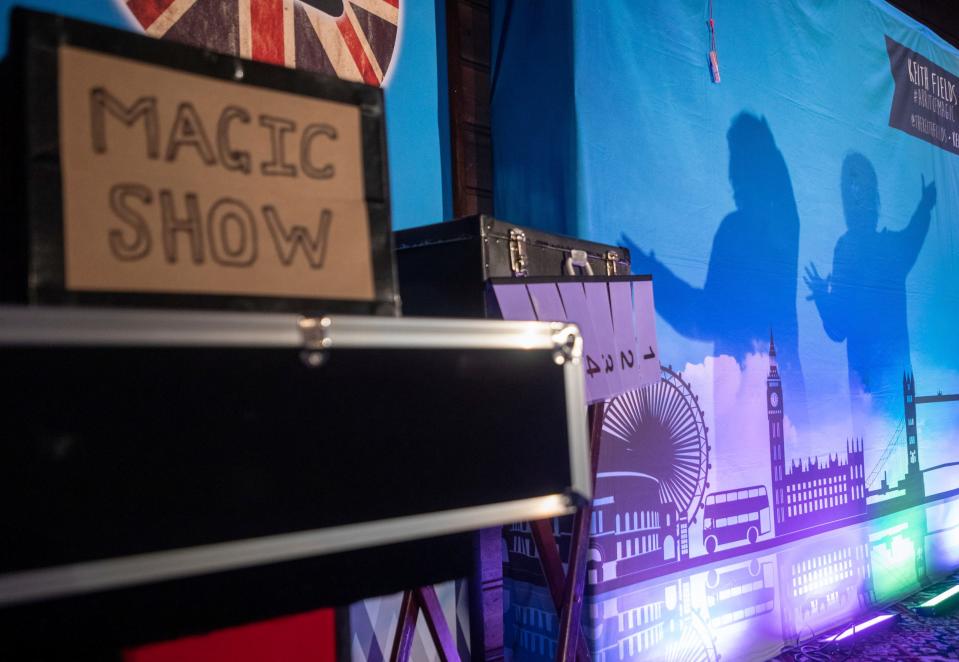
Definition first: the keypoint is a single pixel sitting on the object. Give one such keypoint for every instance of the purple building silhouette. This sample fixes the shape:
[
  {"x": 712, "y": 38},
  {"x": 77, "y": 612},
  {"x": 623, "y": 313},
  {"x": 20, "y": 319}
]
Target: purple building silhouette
[
  {"x": 631, "y": 529},
  {"x": 810, "y": 492},
  {"x": 821, "y": 584},
  {"x": 523, "y": 556}
]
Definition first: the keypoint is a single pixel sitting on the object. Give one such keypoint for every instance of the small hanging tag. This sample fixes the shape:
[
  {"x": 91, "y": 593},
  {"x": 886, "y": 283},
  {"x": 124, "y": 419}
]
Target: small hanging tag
[
  {"x": 713, "y": 51},
  {"x": 714, "y": 65}
]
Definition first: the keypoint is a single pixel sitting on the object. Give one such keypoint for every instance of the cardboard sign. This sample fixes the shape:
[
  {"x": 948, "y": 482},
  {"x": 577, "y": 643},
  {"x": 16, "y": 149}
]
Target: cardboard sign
[
  {"x": 615, "y": 315},
  {"x": 179, "y": 183}
]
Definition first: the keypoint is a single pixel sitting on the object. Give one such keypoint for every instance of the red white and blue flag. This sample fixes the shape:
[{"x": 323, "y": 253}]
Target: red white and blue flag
[{"x": 351, "y": 39}]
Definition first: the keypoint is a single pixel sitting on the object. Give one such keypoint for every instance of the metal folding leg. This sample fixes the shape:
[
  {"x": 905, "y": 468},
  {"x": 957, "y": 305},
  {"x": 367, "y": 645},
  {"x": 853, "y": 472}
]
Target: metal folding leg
[{"x": 567, "y": 592}]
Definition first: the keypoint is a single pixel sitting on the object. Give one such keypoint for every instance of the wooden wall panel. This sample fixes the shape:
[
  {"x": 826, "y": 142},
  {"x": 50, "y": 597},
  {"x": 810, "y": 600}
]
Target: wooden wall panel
[
  {"x": 471, "y": 160},
  {"x": 468, "y": 70}
]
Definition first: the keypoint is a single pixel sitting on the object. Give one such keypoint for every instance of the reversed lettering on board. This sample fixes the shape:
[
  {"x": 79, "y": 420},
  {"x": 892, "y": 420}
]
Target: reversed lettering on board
[
  {"x": 646, "y": 345},
  {"x": 600, "y": 312},
  {"x": 616, "y": 319},
  {"x": 578, "y": 312},
  {"x": 627, "y": 358},
  {"x": 179, "y": 183}
]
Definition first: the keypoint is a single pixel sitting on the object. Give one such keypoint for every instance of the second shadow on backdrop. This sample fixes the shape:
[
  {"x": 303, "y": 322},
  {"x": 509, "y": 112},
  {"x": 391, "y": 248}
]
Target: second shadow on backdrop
[{"x": 863, "y": 300}]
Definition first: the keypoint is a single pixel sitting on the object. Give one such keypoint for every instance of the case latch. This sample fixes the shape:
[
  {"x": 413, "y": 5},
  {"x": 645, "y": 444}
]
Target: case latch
[
  {"x": 518, "y": 259},
  {"x": 578, "y": 258},
  {"x": 612, "y": 257},
  {"x": 315, "y": 334}
]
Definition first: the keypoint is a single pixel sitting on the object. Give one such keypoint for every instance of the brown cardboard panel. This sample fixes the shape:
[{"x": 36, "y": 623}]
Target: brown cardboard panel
[{"x": 180, "y": 183}]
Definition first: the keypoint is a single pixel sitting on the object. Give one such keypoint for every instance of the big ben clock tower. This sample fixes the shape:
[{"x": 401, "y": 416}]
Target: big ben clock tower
[{"x": 774, "y": 406}]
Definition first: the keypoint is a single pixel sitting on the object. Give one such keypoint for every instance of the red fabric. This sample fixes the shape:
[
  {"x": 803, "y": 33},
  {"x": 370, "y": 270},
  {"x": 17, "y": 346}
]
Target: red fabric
[
  {"x": 266, "y": 17},
  {"x": 309, "y": 637},
  {"x": 147, "y": 11},
  {"x": 356, "y": 50}
]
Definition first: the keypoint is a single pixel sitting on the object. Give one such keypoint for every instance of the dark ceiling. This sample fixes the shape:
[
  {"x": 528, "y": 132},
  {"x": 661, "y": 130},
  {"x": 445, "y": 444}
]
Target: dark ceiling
[{"x": 940, "y": 15}]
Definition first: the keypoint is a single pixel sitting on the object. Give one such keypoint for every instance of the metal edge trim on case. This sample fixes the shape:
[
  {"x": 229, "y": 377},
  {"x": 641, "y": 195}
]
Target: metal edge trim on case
[
  {"x": 106, "y": 574},
  {"x": 436, "y": 333},
  {"x": 40, "y": 325},
  {"x": 576, "y": 422}
]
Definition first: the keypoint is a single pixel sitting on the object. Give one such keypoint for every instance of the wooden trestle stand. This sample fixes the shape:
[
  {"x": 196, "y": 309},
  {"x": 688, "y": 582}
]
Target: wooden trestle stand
[
  {"x": 423, "y": 598},
  {"x": 566, "y": 590}
]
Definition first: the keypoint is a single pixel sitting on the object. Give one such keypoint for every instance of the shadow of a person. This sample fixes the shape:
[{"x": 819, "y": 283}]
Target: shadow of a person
[
  {"x": 863, "y": 301},
  {"x": 751, "y": 281}
]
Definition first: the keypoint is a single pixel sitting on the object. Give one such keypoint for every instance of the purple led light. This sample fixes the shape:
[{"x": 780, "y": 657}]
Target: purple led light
[{"x": 859, "y": 628}]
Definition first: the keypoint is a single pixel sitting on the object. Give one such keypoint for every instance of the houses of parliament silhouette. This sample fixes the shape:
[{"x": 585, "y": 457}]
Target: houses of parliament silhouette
[
  {"x": 810, "y": 492},
  {"x": 813, "y": 492}
]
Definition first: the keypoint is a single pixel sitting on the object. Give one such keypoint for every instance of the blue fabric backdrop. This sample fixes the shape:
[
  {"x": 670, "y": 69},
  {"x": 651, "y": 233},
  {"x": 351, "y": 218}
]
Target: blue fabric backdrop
[
  {"x": 607, "y": 126},
  {"x": 780, "y": 202}
]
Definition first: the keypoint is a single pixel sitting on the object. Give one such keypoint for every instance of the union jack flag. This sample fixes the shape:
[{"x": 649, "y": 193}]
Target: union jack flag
[{"x": 350, "y": 39}]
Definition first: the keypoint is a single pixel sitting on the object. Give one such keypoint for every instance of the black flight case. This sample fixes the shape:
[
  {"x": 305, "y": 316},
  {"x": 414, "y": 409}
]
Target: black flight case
[
  {"x": 444, "y": 270},
  {"x": 164, "y": 473}
]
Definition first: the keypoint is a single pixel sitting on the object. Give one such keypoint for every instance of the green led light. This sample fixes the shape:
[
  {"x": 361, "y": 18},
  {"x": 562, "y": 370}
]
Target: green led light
[
  {"x": 942, "y": 597},
  {"x": 895, "y": 554}
]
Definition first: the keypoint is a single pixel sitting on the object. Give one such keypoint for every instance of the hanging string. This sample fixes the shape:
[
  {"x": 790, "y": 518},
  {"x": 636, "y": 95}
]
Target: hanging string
[{"x": 713, "y": 52}]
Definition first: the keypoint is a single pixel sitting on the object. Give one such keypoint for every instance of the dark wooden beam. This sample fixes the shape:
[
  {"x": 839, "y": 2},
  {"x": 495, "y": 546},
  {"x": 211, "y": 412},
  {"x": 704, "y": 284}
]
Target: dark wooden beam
[
  {"x": 468, "y": 71},
  {"x": 471, "y": 162}
]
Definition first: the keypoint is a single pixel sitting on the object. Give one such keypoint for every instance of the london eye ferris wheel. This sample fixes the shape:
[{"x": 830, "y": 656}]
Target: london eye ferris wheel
[{"x": 662, "y": 433}]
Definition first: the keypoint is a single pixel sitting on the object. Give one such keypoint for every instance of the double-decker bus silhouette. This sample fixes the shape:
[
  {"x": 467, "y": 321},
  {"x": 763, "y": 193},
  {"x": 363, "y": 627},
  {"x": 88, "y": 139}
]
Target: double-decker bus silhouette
[{"x": 735, "y": 516}]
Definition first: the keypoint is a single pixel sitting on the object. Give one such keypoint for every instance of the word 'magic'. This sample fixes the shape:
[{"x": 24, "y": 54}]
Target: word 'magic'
[{"x": 228, "y": 230}]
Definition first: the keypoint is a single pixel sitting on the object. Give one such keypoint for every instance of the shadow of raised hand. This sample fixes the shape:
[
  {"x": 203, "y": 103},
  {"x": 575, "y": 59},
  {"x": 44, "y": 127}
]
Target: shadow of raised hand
[
  {"x": 818, "y": 286},
  {"x": 641, "y": 262}
]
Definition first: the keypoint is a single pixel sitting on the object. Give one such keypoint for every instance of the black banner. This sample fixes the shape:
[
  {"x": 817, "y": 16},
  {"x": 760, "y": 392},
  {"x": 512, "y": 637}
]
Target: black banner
[{"x": 926, "y": 100}]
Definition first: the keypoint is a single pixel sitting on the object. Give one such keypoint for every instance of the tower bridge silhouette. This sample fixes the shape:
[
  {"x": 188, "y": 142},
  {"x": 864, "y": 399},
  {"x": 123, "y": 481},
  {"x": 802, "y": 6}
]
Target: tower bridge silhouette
[{"x": 912, "y": 485}]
